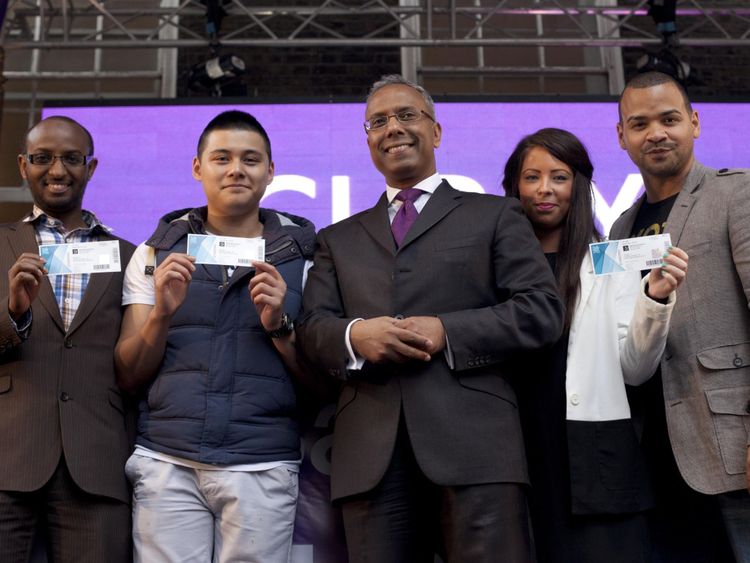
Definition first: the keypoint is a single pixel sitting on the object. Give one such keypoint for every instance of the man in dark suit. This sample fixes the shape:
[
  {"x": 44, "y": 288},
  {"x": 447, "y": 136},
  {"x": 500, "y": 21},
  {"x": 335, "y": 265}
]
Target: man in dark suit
[
  {"x": 419, "y": 321},
  {"x": 63, "y": 443}
]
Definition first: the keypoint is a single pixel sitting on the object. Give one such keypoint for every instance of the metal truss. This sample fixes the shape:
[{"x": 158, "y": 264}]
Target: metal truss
[{"x": 70, "y": 24}]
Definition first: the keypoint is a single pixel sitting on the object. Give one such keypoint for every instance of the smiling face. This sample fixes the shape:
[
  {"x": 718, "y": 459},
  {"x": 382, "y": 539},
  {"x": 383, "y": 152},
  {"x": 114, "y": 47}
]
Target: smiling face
[
  {"x": 234, "y": 170},
  {"x": 658, "y": 131},
  {"x": 403, "y": 152},
  {"x": 545, "y": 188},
  {"x": 57, "y": 189}
]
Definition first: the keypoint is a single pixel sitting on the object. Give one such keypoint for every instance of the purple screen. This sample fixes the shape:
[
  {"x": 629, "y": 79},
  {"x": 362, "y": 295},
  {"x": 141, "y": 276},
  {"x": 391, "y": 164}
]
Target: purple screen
[{"x": 323, "y": 167}]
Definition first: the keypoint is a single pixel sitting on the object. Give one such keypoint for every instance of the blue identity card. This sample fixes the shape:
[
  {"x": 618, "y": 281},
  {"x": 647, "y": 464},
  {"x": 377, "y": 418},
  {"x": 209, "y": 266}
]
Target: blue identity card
[
  {"x": 81, "y": 257},
  {"x": 629, "y": 254},
  {"x": 226, "y": 251}
]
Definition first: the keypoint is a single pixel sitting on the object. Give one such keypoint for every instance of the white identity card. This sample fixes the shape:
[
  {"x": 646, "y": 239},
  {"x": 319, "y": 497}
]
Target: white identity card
[
  {"x": 226, "y": 251},
  {"x": 81, "y": 257},
  {"x": 629, "y": 254}
]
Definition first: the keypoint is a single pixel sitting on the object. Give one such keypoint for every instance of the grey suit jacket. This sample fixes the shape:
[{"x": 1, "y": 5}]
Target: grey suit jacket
[
  {"x": 57, "y": 389},
  {"x": 706, "y": 362},
  {"x": 473, "y": 261}
]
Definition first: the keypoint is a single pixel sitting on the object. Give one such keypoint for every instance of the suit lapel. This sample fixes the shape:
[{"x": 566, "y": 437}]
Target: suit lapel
[
  {"x": 22, "y": 241},
  {"x": 625, "y": 223},
  {"x": 683, "y": 205},
  {"x": 442, "y": 202},
  {"x": 378, "y": 225}
]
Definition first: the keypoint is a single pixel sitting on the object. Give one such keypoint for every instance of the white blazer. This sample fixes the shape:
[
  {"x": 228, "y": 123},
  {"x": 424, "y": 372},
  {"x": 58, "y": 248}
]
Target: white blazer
[{"x": 617, "y": 336}]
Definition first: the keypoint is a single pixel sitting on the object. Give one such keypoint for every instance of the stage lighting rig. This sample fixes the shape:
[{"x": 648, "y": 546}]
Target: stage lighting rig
[
  {"x": 664, "y": 14},
  {"x": 219, "y": 75},
  {"x": 667, "y": 62}
]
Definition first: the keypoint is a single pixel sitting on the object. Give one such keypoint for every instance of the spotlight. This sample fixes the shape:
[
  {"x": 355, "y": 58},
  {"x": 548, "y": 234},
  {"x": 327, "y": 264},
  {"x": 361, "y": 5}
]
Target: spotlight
[
  {"x": 220, "y": 76},
  {"x": 667, "y": 62},
  {"x": 664, "y": 14}
]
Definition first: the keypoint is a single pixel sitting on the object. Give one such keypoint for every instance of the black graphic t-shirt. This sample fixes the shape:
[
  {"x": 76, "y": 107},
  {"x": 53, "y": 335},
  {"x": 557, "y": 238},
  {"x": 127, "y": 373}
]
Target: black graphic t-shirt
[
  {"x": 652, "y": 217},
  {"x": 647, "y": 401}
]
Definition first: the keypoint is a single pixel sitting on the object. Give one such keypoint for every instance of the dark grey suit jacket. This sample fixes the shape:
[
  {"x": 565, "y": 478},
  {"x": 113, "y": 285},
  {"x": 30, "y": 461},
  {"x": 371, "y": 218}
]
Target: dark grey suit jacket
[
  {"x": 706, "y": 362},
  {"x": 57, "y": 389},
  {"x": 473, "y": 261}
]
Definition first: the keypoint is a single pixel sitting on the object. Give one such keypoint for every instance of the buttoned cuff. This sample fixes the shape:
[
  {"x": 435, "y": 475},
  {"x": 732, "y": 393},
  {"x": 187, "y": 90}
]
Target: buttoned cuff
[{"x": 23, "y": 325}]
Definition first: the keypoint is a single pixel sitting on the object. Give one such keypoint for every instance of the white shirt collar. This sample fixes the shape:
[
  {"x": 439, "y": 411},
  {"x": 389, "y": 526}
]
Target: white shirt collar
[{"x": 428, "y": 185}]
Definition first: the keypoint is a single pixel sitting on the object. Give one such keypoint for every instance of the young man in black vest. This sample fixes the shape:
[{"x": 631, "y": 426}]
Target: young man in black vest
[{"x": 212, "y": 349}]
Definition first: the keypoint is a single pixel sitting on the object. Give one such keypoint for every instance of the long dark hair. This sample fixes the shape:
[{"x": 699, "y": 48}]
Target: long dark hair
[{"x": 578, "y": 228}]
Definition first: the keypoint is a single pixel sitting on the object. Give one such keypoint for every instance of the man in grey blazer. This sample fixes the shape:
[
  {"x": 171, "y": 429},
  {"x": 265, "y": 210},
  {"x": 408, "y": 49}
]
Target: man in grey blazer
[
  {"x": 63, "y": 442},
  {"x": 419, "y": 323},
  {"x": 697, "y": 419}
]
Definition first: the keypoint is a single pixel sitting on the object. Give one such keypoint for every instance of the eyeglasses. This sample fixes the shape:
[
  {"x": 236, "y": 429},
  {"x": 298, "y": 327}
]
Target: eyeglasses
[
  {"x": 69, "y": 160},
  {"x": 405, "y": 116}
]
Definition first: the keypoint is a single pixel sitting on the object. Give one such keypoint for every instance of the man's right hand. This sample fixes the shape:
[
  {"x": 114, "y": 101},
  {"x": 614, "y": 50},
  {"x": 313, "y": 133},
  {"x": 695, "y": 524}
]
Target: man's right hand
[
  {"x": 24, "y": 280},
  {"x": 379, "y": 340},
  {"x": 171, "y": 279}
]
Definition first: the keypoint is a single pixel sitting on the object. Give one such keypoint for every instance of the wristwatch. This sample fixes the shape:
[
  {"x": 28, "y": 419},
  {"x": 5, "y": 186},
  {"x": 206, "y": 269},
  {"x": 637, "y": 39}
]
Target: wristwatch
[{"x": 286, "y": 328}]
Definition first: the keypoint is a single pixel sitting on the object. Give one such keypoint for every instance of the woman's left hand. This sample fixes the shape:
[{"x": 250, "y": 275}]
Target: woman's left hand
[{"x": 665, "y": 279}]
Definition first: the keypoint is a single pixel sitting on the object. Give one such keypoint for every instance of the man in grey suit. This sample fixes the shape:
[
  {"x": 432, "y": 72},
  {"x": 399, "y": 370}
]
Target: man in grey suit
[
  {"x": 63, "y": 443},
  {"x": 697, "y": 411},
  {"x": 417, "y": 304}
]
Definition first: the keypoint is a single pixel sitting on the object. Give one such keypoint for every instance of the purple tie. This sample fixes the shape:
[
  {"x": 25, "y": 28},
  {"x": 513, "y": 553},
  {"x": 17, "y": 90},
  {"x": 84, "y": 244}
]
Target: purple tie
[{"x": 406, "y": 215}]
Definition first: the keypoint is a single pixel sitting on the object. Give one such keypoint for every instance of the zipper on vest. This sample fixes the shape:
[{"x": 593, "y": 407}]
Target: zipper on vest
[{"x": 224, "y": 278}]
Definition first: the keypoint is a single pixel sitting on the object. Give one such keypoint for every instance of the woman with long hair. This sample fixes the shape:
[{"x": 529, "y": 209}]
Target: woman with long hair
[{"x": 588, "y": 482}]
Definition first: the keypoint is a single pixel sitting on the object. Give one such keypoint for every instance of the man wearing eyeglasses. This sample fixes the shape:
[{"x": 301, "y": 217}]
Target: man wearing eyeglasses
[
  {"x": 63, "y": 443},
  {"x": 418, "y": 304}
]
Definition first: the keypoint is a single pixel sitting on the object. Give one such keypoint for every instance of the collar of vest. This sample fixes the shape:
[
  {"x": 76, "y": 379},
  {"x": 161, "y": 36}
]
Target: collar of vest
[{"x": 287, "y": 236}]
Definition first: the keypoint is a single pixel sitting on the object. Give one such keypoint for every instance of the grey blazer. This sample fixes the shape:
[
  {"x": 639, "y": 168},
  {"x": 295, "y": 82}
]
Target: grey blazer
[
  {"x": 706, "y": 362},
  {"x": 473, "y": 261},
  {"x": 57, "y": 389}
]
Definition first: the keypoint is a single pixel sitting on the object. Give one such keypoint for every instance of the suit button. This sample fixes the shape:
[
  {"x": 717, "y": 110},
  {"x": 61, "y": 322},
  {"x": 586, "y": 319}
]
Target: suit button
[
  {"x": 575, "y": 399},
  {"x": 471, "y": 363},
  {"x": 737, "y": 361},
  {"x": 68, "y": 343},
  {"x": 64, "y": 396}
]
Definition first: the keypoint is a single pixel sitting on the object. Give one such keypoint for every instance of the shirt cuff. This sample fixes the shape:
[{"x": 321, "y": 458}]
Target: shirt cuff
[
  {"x": 23, "y": 326},
  {"x": 354, "y": 362}
]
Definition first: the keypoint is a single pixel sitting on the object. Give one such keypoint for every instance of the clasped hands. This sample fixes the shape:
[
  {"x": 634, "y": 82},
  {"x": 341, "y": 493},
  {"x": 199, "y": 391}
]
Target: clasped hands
[
  {"x": 389, "y": 339},
  {"x": 267, "y": 288}
]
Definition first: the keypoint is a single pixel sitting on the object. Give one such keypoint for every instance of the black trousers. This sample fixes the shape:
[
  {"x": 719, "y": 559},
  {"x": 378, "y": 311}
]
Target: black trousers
[
  {"x": 408, "y": 519},
  {"x": 79, "y": 527}
]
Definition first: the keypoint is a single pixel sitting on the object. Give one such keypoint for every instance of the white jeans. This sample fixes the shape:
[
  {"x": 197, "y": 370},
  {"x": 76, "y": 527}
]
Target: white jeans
[{"x": 183, "y": 515}]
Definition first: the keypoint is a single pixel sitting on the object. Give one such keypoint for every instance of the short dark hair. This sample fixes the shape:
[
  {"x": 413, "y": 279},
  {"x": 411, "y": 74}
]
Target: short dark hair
[
  {"x": 397, "y": 79},
  {"x": 578, "y": 228},
  {"x": 234, "y": 119},
  {"x": 64, "y": 119},
  {"x": 649, "y": 80}
]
